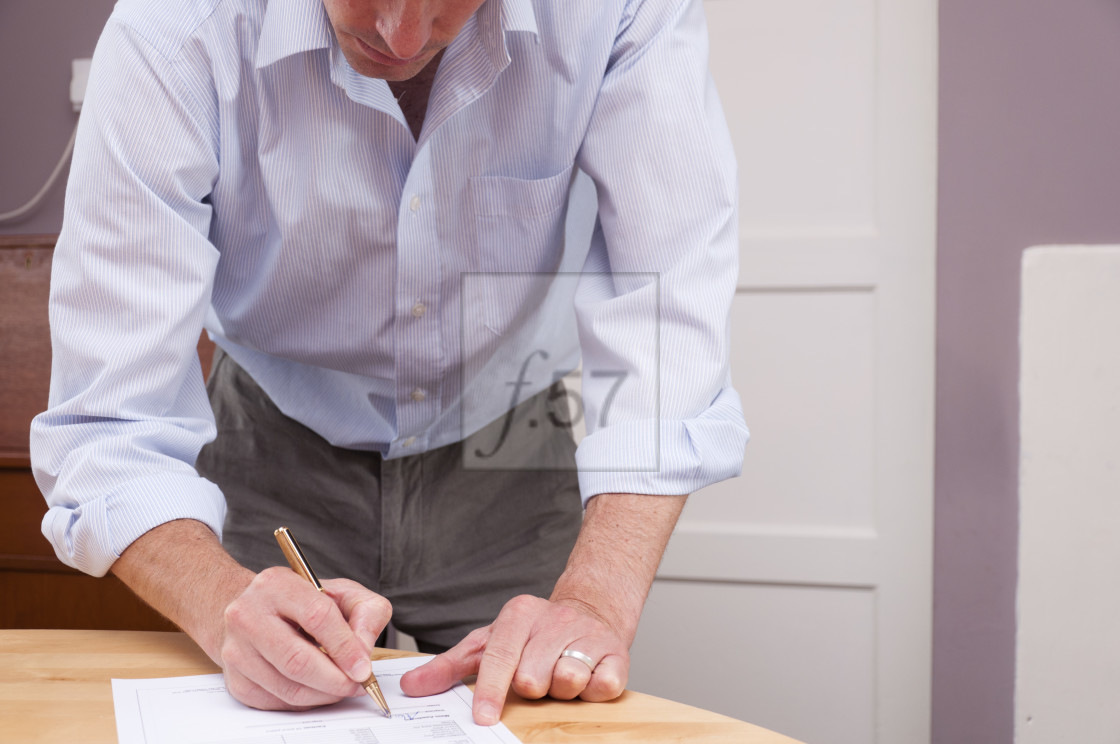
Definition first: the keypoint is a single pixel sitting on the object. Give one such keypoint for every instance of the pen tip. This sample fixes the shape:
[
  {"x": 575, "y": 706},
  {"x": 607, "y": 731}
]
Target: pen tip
[{"x": 374, "y": 691}]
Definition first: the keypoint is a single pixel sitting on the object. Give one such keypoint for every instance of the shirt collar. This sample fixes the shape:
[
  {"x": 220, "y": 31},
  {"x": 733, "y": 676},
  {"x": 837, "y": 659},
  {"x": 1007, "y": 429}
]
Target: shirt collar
[
  {"x": 294, "y": 26},
  {"x": 496, "y": 19},
  {"x": 519, "y": 15},
  {"x": 290, "y": 27}
]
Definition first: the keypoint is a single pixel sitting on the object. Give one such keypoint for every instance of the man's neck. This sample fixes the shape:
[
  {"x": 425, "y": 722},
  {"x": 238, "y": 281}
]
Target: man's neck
[{"x": 412, "y": 94}]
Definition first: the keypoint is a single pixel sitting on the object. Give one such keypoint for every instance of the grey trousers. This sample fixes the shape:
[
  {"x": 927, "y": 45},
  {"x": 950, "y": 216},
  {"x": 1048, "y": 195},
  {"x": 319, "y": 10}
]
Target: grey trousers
[{"x": 447, "y": 546}]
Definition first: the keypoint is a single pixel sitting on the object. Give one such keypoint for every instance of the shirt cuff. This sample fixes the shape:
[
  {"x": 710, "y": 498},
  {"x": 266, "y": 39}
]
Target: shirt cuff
[
  {"x": 91, "y": 536},
  {"x": 666, "y": 457}
]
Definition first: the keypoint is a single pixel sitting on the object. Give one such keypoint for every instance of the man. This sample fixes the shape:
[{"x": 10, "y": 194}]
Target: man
[{"x": 362, "y": 201}]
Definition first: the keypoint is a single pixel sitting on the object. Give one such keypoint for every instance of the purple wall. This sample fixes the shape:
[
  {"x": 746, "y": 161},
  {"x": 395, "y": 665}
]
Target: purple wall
[
  {"x": 38, "y": 38},
  {"x": 1029, "y": 154}
]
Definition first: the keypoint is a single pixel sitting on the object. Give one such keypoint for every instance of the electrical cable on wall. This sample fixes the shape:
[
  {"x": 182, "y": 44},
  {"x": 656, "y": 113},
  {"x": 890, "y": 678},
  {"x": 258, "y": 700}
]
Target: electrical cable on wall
[
  {"x": 27, "y": 208},
  {"x": 79, "y": 76}
]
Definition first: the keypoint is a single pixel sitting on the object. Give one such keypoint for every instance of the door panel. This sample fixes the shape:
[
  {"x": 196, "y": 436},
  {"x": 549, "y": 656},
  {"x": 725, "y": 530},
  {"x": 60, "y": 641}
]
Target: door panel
[
  {"x": 798, "y": 596},
  {"x": 794, "y": 667},
  {"x": 804, "y": 364},
  {"x": 797, "y": 80}
]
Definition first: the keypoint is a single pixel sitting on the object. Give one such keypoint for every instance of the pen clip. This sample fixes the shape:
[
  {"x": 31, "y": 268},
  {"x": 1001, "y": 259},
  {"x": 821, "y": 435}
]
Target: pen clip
[
  {"x": 299, "y": 564},
  {"x": 295, "y": 556}
]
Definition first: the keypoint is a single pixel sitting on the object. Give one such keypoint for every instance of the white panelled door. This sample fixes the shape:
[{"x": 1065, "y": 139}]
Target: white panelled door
[{"x": 798, "y": 596}]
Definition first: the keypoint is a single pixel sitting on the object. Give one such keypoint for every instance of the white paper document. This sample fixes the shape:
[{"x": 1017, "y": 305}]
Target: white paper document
[{"x": 199, "y": 710}]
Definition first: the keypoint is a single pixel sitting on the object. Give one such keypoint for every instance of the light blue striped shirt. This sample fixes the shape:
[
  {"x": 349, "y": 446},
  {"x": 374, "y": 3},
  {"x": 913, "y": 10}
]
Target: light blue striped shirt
[{"x": 233, "y": 173}]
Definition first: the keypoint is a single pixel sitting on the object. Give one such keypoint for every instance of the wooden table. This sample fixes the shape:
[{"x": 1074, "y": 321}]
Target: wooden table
[{"x": 54, "y": 689}]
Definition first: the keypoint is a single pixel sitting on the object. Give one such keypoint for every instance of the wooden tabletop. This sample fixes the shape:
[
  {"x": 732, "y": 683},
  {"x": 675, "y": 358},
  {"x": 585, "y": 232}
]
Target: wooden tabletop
[{"x": 54, "y": 689}]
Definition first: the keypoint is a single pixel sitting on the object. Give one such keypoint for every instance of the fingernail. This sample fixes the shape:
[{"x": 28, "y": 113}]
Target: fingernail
[
  {"x": 487, "y": 714},
  {"x": 360, "y": 671}
]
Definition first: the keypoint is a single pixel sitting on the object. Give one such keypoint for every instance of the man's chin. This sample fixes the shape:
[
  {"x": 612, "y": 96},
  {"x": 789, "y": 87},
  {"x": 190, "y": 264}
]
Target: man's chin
[
  {"x": 395, "y": 74},
  {"x": 364, "y": 65}
]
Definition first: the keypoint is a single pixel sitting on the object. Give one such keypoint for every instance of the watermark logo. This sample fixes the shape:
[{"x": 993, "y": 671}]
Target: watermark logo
[{"x": 528, "y": 398}]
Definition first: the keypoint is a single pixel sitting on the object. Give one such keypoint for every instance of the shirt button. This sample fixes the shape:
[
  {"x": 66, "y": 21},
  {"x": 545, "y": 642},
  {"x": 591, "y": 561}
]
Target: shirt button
[
  {"x": 414, "y": 203},
  {"x": 418, "y": 310},
  {"x": 418, "y": 395},
  {"x": 409, "y": 442}
]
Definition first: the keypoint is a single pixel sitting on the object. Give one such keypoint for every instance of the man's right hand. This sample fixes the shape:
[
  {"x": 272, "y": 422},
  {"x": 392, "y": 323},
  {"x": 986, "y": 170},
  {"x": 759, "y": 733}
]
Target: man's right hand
[
  {"x": 263, "y": 629},
  {"x": 269, "y": 663}
]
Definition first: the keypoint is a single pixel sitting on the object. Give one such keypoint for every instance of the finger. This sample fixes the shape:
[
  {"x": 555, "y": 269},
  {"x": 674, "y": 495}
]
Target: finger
[
  {"x": 444, "y": 670},
  {"x": 320, "y": 617},
  {"x": 250, "y": 693},
  {"x": 565, "y": 628},
  {"x": 608, "y": 680},
  {"x": 255, "y": 682},
  {"x": 366, "y": 612},
  {"x": 571, "y": 675},
  {"x": 539, "y": 661},
  {"x": 299, "y": 664},
  {"x": 256, "y": 626},
  {"x": 508, "y": 636},
  {"x": 569, "y": 678}
]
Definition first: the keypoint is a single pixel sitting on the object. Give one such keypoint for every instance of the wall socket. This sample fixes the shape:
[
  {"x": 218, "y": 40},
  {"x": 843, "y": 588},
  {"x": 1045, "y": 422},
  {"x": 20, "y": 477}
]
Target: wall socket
[{"x": 79, "y": 75}]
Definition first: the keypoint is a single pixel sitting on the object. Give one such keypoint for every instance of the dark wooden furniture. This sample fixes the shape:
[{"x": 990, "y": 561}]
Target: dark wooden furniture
[{"x": 36, "y": 589}]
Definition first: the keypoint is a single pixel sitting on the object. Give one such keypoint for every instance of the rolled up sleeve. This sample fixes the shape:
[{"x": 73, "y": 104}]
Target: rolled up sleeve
[
  {"x": 662, "y": 415},
  {"x": 114, "y": 453}
]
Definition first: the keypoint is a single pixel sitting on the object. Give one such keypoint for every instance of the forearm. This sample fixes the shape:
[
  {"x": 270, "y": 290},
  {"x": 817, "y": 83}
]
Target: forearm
[
  {"x": 616, "y": 556},
  {"x": 181, "y": 569}
]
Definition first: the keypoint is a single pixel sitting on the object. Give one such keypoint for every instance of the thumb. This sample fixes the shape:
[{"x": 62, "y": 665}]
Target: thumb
[{"x": 444, "y": 670}]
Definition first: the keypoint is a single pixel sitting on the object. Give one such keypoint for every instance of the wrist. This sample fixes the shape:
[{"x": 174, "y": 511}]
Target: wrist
[
  {"x": 205, "y": 622},
  {"x": 616, "y": 555},
  {"x": 617, "y": 602},
  {"x": 181, "y": 570}
]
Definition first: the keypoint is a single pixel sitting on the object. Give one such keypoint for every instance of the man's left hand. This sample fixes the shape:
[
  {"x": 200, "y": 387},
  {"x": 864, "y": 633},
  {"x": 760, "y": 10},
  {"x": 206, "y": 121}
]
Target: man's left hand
[
  {"x": 522, "y": 649},
  {"x": 594, "y": 610}
]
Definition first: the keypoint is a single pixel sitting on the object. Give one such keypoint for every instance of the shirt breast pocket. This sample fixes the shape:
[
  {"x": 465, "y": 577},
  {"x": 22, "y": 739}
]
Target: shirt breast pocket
[{"x": 519, "y": 238}]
